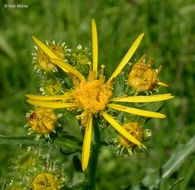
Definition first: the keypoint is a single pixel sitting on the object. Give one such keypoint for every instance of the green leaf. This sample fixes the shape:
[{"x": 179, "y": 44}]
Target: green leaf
[
  {"x": 151, "y": 178},
  {"x": 176, "y": 183},
  {"x": 189, "y": 174},
  {"x": 179, "y": 155},
  {"x": 68, "y": 143}
]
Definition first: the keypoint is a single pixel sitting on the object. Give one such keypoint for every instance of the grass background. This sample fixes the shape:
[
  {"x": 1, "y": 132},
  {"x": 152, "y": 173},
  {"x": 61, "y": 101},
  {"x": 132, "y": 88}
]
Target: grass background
[{"x": 169, "y": 28}]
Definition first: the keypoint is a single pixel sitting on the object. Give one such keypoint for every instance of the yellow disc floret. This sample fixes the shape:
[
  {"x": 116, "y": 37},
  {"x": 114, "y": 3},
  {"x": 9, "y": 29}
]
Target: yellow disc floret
[
  {"x": 135, "y": 130},
  {"x": 92, "y": 96},
  {"x": 142, "y": 77},
  {"x": 46, "y": 181},
  {"x": 42, "y": 120}
]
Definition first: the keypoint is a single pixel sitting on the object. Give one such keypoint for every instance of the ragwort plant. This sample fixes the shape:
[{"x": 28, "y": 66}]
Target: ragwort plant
[{"x": 71, "y": 79}]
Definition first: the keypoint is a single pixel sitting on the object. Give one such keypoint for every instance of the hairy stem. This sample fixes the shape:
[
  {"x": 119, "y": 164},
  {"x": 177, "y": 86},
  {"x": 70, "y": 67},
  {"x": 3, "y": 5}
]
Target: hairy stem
[{"x": 66, "y": 141}]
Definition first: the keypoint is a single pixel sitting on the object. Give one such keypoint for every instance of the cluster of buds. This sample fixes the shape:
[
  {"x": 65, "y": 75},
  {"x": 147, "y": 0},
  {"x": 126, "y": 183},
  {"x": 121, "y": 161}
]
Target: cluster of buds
[
  {"x": 141, "y": 78},
  {"x": 43, "y": 121}
]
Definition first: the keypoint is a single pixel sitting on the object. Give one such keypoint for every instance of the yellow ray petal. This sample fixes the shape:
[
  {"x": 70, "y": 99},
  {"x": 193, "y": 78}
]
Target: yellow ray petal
[
  {"x": 136, "y": 111},
  {"x": 87, "y": 144},
  {"x": 162, "y": 84},
  {"x": 67, "y": 67},
  {"x": 127, "y": 57},
  {"x": 44, "y": 48},
  {"x": 49, "y": 104},
  {"x": 46, "y": 98},
  {"x": 119, "y": 128},
  {"x": 94, "y": 47},
  {"x": 155, "y": 98}
]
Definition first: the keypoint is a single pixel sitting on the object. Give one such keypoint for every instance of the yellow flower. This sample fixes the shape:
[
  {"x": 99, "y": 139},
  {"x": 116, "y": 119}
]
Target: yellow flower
[
  {"x": 94, "y": 95},
  {"x": 46, "y": 181},
  {"x": 42, "y": 120},
  {"x": 142, "y": 77}
]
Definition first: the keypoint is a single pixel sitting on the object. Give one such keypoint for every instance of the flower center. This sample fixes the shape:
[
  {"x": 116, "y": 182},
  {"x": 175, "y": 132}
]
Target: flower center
[{"x": 92, "y": 96}]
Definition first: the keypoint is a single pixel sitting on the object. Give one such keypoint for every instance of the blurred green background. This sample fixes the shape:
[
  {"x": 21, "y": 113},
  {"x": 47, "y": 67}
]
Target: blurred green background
[{"x": 169, "y": 28}]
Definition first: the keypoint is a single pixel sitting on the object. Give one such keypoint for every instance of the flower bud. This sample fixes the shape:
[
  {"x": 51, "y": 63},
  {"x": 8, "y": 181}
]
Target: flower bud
[
  {"x": 142, "y": 77},
  {"x": 46, "y": 181},
  {"x": 44, "y": 60},
  {"x": 51, "y": 87},
  {"x": 42, "y": 120},
  {"x": 135, "y": 130}
]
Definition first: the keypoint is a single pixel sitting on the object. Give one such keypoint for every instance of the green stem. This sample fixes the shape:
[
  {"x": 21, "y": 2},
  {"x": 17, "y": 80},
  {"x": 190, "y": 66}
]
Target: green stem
[
  {"x": 69, "y": 144},
  {"x": 27, "y": 140},
  {"x": 94, "y": 156}
]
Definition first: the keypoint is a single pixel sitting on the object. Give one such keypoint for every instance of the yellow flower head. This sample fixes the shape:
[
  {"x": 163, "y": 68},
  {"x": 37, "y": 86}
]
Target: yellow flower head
[
  {"x": 42, "y": 120},
  {"x": 142, "y": 77},
  {"x": 46, "y": 181},
  {"x": 135, "y": 130},
  {"x": 93, "y": 95}
]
